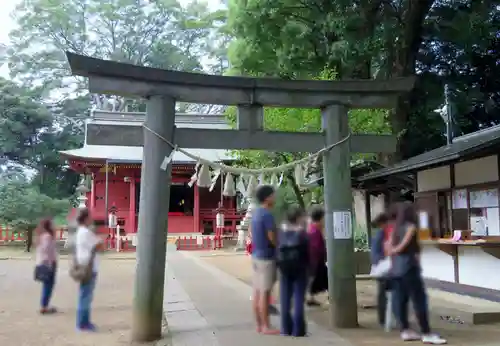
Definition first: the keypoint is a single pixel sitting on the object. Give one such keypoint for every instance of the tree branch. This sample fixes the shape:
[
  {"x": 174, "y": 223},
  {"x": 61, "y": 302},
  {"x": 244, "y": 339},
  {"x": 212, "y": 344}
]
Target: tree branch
[{"x": 295, "y": 187}]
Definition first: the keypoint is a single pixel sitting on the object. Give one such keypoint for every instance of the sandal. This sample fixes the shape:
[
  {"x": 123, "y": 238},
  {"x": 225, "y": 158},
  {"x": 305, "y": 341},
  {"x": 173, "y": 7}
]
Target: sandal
[{"x": 48, "y": 311}]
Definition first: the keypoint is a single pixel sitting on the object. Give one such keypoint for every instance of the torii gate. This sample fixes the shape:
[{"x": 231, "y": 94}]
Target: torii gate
[{"x": 162, "y": 89}]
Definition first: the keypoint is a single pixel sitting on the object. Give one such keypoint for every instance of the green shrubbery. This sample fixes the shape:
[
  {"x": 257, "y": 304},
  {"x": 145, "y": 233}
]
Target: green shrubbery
[{"x": 22, "y": 205}]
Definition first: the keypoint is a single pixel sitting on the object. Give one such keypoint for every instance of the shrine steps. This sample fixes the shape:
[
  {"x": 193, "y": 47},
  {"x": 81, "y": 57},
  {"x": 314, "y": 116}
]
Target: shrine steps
[{"x": 458, "y": 308}]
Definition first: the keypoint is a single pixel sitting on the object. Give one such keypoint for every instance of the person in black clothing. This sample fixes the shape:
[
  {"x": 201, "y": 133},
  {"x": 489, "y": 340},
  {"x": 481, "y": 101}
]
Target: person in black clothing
[
  {"x": 405, "y": 250},
  {"x": 293, "y": 265}
]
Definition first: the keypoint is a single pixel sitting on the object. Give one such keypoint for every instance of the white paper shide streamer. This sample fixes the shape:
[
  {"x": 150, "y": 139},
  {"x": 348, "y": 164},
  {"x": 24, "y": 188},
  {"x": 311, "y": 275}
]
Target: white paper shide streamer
[
  {"x": 167, "y": 160},
  {"x": 299, "y": 175},
  {"x": 240, "y": 186},
  {"x": 204, "y": 179},
  {"x": 194, "y": 177},
  {"x": 229, "y": 188},
  {"x": 252, "y": 185},
  {"x": 216, "y": 175}
]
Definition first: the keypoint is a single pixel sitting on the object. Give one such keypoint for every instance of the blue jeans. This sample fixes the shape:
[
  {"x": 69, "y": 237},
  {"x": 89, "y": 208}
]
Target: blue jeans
[
  {"x": 85, "y": 297},
  {"x": 48, "y": 288},
  {"x": 293, "y": 287}
]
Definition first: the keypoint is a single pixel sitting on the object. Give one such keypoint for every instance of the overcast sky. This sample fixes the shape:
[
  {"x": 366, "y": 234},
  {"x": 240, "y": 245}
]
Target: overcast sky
[{"x": 7, "y": 25}]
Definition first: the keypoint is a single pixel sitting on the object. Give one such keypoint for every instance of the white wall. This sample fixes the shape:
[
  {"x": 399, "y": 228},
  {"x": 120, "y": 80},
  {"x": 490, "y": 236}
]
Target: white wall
[
  {"x": 434, "y": 179},
  {"x": 376, "y": 203},
  {"x": 476, "y": 171},
  {"x": 477, "y": 268},
  {"x": 436, "y": 264}
]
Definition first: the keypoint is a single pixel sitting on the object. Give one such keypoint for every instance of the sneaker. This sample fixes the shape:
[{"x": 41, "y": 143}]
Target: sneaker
[
  {"x": 433, "y": 339},
  {"x": 312, "y": 302},
  {"x": 410, "y": 335}
]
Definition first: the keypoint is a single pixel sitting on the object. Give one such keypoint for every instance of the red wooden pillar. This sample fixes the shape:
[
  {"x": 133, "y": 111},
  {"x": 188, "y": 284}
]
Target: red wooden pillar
[
  {"x": 92, "y": 196},
  {"x": 196, "y": 209},
  {"x": 132, "y": 206}
]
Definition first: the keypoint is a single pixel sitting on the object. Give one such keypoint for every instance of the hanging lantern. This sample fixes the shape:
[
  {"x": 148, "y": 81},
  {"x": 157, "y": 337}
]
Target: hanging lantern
[
  {"x": 204, "y": 179},
  {"x": 229, "y": 189},
  {"x": 252, "y": 185}
]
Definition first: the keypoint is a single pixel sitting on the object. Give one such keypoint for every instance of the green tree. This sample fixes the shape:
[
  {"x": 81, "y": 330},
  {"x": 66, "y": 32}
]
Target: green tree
[
  {"x": 22, "y": 119},
  {"x": 23, "y": 205},
  {"x": 159, "y": 34},
  {"x": 369, "y": 39},
  {"x": 53, "y": 177},
  {"x": 305, "y": 120}
]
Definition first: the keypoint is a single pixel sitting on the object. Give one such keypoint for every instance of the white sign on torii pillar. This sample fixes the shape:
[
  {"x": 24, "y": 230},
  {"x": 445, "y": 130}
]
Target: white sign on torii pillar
[{"x": 162, "y": 89}]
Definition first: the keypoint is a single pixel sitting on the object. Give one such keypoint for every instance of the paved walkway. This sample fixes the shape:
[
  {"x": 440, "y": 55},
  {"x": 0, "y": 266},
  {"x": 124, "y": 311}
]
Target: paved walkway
[{"x": 208, "y": 307}]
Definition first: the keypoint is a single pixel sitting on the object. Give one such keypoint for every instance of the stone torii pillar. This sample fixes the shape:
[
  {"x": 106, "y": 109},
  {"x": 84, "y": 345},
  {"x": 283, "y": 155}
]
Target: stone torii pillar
[{"x": 162, "y": 88}]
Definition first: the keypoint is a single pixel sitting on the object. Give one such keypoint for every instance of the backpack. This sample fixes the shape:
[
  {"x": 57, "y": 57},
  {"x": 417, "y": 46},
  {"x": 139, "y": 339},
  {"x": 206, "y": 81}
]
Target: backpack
[{"x": 292, "y": 256}]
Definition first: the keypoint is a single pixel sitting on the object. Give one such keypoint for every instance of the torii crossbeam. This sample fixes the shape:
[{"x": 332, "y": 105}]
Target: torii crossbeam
[{"x": 162, "y": 89}]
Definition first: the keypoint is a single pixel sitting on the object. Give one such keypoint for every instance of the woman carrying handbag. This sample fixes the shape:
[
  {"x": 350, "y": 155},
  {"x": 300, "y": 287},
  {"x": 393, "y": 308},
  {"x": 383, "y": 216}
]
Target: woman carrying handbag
[{"x": 46, "y": 263}]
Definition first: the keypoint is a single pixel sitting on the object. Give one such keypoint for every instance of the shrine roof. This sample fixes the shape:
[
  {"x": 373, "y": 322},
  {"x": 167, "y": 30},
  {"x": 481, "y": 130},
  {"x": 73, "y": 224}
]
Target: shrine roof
[{"x": 134, "y": 154}]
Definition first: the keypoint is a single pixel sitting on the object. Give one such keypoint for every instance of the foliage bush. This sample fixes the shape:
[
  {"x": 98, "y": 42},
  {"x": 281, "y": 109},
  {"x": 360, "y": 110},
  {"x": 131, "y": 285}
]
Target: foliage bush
[
  {"x": 285, "y": 198},
  {"x": 22, "y": 205}
]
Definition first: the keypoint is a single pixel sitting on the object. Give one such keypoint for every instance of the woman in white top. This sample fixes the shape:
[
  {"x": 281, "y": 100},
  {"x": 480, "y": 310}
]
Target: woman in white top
[{"x": 87, "y": 244}]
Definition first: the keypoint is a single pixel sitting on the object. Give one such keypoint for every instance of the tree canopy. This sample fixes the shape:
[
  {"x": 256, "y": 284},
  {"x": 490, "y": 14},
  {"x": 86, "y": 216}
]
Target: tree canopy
[{"x": 380, "y": 39}]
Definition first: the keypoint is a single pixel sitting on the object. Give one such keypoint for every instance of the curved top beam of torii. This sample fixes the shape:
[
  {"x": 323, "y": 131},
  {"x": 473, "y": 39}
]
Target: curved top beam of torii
[{"x": 109, "y": 77}]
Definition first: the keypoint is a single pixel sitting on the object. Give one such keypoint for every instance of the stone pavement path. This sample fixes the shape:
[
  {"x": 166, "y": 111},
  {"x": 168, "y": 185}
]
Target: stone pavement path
[
  {"x": 369, "y": 333},
  {"x": 20, "y": 324},
  {"x": 208, "y": 307}
]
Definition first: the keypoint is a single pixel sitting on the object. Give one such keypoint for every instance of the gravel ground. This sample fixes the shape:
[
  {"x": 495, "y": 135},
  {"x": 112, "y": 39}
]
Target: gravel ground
[{"x": 20, "y": 324}]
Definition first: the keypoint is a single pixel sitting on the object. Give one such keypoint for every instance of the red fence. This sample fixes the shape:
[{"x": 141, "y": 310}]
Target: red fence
[
  {"x": 199, "y": 243},
  {"x": 9, "y": 235},
  {"x": 123, "y": 244}
]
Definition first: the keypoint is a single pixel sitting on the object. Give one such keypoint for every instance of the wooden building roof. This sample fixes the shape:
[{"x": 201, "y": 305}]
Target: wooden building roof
[
  {"x": 132, "y": 154},
  {"x": 483, "y": 142}
]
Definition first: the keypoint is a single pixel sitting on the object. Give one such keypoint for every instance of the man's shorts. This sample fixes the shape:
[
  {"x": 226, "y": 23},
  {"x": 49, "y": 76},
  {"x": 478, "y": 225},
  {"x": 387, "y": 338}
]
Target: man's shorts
[{"x": 264, "y": 274}]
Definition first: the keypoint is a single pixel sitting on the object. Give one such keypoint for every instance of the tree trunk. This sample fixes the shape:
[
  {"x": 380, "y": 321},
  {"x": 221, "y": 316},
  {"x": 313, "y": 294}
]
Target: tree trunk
[
  {"x": 404, "y": 65},
  {"x": 296, "y": 190}
]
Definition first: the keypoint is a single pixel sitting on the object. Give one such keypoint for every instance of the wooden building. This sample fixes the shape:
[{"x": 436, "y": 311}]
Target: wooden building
[
  {"x": 115, "y": 173},
  {"x": 457, "y": 185}
]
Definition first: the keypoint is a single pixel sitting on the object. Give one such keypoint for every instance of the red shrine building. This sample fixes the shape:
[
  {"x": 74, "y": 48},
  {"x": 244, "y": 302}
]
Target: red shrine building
[{"x": 115, "y": 177}]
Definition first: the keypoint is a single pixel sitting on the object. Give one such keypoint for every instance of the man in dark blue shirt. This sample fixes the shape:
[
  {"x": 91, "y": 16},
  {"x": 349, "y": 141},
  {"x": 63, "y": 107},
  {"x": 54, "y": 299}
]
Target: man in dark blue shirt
[{"x": 263, "y": 230}]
